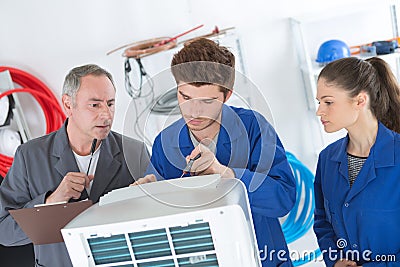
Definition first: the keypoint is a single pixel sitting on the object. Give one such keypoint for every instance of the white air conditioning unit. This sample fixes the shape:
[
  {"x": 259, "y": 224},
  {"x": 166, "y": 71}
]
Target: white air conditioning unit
[{"x": 187, "y": 222}]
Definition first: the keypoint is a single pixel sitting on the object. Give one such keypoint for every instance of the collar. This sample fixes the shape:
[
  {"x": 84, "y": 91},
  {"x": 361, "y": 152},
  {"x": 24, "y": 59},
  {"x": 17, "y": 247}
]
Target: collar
[
  {"x": 61, "y": 140},
  {"x": 61, "y": 144},
  {"x": 384, "y": 142}
]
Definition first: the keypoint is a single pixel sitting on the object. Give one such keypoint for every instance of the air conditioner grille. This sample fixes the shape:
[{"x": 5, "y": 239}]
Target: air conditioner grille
[
  {"x": 109, "y": 249},
  {"x": 162, "y": 263},
  {"x": 192, "y": 238},
  {"x": 150, "y": 244},
  {"x": 192, "y": 247}
]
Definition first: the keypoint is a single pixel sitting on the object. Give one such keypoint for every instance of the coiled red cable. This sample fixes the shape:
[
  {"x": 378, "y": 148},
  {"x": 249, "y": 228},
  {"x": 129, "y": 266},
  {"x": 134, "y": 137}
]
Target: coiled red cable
[{"x": 52, "y": 111}]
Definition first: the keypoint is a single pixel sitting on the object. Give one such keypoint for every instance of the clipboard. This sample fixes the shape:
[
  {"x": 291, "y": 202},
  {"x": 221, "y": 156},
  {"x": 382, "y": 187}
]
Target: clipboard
[{"x": 43, "y": 224}]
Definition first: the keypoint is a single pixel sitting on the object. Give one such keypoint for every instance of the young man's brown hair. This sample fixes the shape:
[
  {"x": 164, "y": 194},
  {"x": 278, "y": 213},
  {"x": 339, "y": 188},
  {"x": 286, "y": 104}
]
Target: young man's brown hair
[{"x": 203, "y": 61}]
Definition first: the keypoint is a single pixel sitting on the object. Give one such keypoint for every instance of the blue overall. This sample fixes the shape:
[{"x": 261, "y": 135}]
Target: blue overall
[
  {"x": 364, "y": 218},
  {"x": 248, "y": 145}
]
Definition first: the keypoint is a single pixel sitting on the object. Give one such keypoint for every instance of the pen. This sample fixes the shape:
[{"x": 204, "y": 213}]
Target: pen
[
  {"x": 190, "y": 164},
  {"x": 92, "y": 149}
]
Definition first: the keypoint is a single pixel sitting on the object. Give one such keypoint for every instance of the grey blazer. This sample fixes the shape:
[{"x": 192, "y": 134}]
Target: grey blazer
[{"x": 40, "y": 165}]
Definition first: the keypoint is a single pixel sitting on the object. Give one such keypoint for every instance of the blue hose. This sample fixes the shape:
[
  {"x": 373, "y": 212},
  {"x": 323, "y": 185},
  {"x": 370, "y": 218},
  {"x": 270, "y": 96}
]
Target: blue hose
[{"x": 298, "y": 223}]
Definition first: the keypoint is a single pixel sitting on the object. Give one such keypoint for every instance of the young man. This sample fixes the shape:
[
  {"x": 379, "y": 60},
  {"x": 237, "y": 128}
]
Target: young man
[
  {"x": 54, "y": 167},
  {"x": 233, "y": 142}
]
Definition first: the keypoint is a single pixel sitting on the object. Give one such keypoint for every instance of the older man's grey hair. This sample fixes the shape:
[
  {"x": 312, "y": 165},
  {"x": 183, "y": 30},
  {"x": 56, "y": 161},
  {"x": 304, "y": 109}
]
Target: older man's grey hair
[{"x": 72, "y": 81}]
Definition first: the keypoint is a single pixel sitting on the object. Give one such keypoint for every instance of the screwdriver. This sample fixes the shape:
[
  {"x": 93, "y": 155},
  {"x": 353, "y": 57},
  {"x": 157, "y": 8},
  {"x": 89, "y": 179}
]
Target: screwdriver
[{"x": 190, "y": 164}]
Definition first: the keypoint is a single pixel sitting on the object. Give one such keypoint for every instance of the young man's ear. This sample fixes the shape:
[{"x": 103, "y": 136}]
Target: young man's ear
[
  {"x": 67, "y": 104},
  {"x": 228, "y": 95}
]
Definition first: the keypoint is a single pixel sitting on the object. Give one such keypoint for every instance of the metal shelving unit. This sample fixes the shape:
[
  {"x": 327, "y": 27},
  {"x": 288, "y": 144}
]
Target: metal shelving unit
[{"x": 309, "y": 68}]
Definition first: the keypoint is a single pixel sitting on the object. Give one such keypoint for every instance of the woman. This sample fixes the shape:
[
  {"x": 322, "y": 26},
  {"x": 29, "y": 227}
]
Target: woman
[{"x": 357, "y": 196}]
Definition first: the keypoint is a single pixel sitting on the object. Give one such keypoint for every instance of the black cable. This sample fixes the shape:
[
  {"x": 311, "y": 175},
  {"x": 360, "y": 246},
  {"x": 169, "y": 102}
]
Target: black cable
[
  {"x": 136, "y": 127},
  {"x": 137, "y": 93}
]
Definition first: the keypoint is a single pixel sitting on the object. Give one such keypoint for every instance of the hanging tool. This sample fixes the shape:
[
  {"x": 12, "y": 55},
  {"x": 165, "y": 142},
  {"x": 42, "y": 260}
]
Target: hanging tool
[
  {"x": 151, "y": 46},
  {"x": 179, "y": 35}
]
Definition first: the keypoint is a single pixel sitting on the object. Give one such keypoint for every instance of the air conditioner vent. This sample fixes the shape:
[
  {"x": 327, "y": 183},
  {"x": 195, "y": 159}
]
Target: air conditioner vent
[
  {"x": 109, "y": 249},
  {"x": 162, "y": 263},
  {"x": 150, "y": 244},
  {"x": 192, "y": 238}
]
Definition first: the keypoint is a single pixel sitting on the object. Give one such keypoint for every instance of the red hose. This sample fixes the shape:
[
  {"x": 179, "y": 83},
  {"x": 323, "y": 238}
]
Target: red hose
[{"x": 52, "y": 111}]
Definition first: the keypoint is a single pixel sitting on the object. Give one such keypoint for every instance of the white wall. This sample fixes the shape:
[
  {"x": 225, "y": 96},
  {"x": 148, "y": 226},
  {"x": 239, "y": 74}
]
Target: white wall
[{"x": 47, "y": 38}]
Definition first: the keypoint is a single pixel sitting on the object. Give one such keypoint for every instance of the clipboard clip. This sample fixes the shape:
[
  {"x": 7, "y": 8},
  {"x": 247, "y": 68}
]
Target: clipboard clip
[{"x": 49, "y": 204}]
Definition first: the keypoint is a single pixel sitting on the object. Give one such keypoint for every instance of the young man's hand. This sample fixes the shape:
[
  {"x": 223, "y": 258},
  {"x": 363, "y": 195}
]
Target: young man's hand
[
  {"x": 71, "y": 186},
  {"x": 144, "y": 180},
  {"x": 208, "y": 163}
]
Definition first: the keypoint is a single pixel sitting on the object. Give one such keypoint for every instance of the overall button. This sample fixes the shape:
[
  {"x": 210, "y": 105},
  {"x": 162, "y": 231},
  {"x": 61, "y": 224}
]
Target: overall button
[{"x": 346, "y": 205}]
